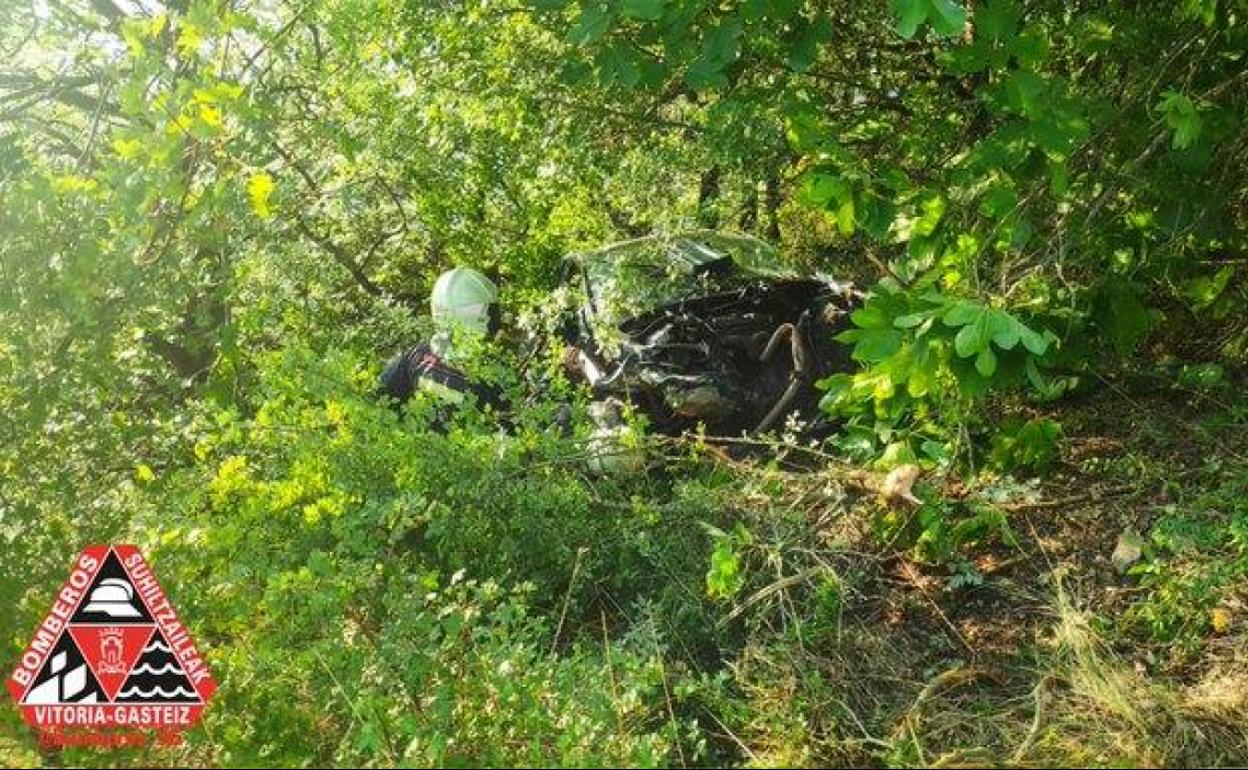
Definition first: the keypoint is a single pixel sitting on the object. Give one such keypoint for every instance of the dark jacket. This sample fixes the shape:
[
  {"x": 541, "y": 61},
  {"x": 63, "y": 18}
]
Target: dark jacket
[{"x": 405, "y": 372}]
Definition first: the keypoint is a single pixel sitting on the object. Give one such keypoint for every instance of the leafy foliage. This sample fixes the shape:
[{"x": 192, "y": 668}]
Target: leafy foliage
[
  {"x": 1196, "y": 555},
  {"x": 1026, "y": 445},
  {"x": 218, "y": 217}
]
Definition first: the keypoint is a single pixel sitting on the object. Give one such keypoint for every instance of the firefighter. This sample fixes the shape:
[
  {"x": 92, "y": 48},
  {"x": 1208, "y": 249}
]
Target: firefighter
[{"x": 464, "y": 304}]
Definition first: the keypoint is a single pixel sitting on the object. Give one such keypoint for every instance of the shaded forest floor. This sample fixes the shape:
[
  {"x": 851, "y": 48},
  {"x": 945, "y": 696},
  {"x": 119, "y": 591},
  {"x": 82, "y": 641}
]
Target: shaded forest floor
[{"x": 1111, "y": 628}]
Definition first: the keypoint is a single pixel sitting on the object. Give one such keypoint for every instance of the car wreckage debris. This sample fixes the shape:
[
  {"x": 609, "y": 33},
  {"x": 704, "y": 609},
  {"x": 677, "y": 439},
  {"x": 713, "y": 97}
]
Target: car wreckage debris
[{"x": 688, "y": 330}]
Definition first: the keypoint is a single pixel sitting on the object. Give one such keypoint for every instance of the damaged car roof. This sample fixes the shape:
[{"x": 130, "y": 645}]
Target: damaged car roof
[{"x": 631, "y": 277}]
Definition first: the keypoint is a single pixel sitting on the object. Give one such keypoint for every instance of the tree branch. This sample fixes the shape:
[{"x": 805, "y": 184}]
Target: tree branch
[{"x": 339, "y": 255}]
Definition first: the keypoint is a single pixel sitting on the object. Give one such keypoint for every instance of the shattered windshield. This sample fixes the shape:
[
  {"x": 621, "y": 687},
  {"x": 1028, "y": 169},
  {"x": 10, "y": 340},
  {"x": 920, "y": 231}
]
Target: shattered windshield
[{"x": 630, "y": 278}]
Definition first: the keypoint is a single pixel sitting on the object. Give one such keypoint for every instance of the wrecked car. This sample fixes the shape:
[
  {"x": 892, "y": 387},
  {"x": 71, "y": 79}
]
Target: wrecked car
[{"x": 704, "y": 329}]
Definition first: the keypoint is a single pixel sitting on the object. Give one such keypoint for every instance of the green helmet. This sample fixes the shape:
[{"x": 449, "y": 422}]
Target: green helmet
[{"x": 463, "y": 298}]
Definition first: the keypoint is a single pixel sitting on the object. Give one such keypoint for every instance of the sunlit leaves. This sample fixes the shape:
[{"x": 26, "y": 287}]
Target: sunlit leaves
[
  {"x": 724, "y": 578},
  {"x": 136, "y": 32},
  {"x": 1205, "y": 290},
  {"x": 1182, "y": 117},
  {"x": 913, "y": 345},
  {"x": 947, "y": 17},
  {"x": 833, "y": 193},
  {"x": 128, "y": 149},
  {"x": 1204, "y": 10},
  {"x": 980, "y": 329},
  {"x": 805, "y": 132},
  {"x": 259, "y": 188},
  {"x": 189, "y": 38},
  {"x": 931, "y": 209}
]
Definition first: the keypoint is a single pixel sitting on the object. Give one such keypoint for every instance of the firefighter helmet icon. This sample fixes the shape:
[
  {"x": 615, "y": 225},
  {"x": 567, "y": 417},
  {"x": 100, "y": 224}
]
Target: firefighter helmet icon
[{"x": 113, "y": 597}]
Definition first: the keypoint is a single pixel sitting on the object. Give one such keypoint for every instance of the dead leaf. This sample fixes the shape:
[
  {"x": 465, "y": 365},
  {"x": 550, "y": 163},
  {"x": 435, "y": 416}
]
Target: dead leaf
[
  {"x": 1220, "y": 619},
  {"x": 898, "y": 485},
  {"x": 1128, "y": 551}
]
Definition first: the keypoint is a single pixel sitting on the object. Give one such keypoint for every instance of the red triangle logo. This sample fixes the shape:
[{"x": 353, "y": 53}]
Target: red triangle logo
[
  {"x": 111, "y": 651},
  {"x": 112, "y": 643}
]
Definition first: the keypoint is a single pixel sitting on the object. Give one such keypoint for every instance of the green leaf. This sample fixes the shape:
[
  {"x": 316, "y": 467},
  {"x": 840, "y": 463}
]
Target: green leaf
[
  {"x": 1059, "y": 178},
  {"x": 949, "y": 18},
  {"x": 1037, "y": 344},
  {"x": 834, "y": 388},
  {"x": 1030, "y": 48},
  {"x": 645, "y": 10},
  {"x": 946, "y": 16},
  {"x": 845, "y": 216},
  {"x": 973, "y": 337},
  {"x": 1032, "y": 444},
  {"x": 1004, "y": 329},
  {"x": 962, "y": 313},
  {"x": 922, "y": 374},
  {"x": 724, "y": 578},
  {"x": 776, "y": 10},
  {"x": 128, "y": 149},
  {"x": 1182, "y": 117},
  {"x": 1204, "y": 290},
  {"x": 999, "y": 201},
  {"x": 705, "y": 75},
  {"x": 911, "y": 320},
  {"x": 593, "y": 23},
  {"x": 1204, "y": 10},
  {"x": 966, "y": 59},
  {"x": 1034, "y": 376},
  {"x": 875, "y": 345},
  {"x": 879, "y": 310},
  {"x": 997, "y": 20},
  {"x": 911, "y": 13},
  {"x": 722, "y": 44},
  {"x": 986, "y": 362},
  {"x": 617, "y": 65},
  {"x": 1208, "y": 375},
  {"x": 1056, "y": 134},
  {"x": 1121, "y": 314},
  {"x": 819, "y": 189},
  {"x": 933, "y": 207},
  {"x": 805, "y": 132},
  {"x": 876, "y": 215},
  {"x": 805, "y": 48},
  {"x": 1026, "y": 92},
  {"x": 896, "y": 453}
]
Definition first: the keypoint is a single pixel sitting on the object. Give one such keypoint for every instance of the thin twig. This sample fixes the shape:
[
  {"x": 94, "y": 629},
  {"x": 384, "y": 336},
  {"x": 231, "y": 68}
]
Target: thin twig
[{"x": 567, "y": 598}]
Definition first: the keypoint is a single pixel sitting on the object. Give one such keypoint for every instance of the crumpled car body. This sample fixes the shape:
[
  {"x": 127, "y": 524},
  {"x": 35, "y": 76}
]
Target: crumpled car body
[{"x": 704, "y": 330}]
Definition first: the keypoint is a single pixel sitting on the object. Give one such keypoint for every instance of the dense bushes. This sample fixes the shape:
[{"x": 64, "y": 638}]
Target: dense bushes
[
  {"x": 217, "y": 220},
  {"x": 384, "y": 592}
]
